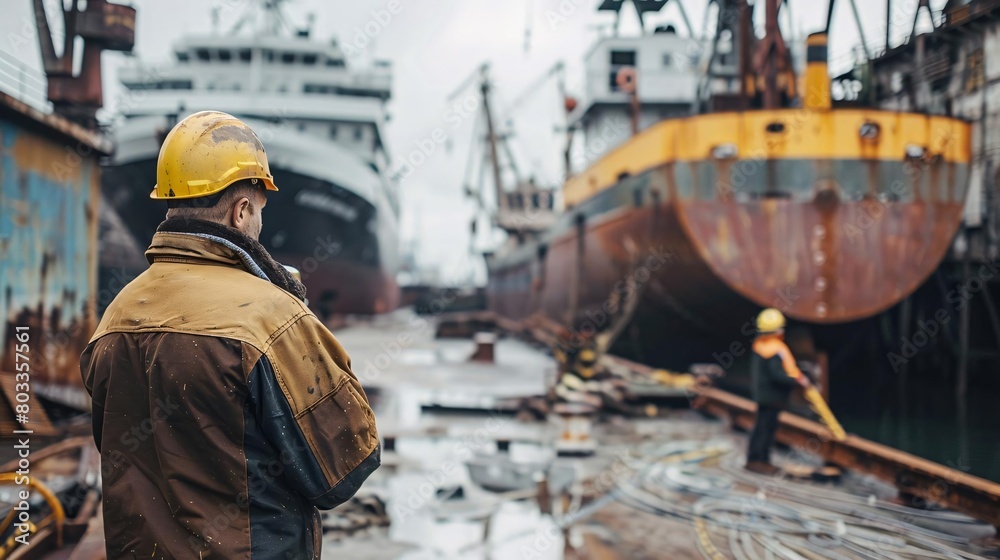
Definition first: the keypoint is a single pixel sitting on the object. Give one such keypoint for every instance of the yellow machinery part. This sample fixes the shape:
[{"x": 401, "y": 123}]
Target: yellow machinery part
[
  {"x": 679, "y": 380},
  {"x": 816, "y": 94},
  {"x": 58, "y": 515},
  {"x": 821, "y": 408}
]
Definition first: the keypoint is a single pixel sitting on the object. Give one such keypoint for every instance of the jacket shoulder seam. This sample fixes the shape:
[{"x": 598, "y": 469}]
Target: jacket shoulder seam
[
  {"x": 282, "y": 328},
  {"x": 278, "y": 367},
  {"x": 102, "y": 334}
]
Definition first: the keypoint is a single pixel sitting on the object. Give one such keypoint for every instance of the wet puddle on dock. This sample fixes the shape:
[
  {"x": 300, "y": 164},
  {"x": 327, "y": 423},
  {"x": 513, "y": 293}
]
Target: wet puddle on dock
[
  {"x": 440, "y": 413},
  {"x": 460, "y": 475},
  {"x": 436, "y": 510}
]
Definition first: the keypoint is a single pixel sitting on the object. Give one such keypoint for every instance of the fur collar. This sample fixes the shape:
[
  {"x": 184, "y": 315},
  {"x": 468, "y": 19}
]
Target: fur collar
[{"x": 253, "y": 255}]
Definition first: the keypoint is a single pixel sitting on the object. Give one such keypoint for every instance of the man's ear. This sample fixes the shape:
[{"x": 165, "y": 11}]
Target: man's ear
[{"x": 240, "y": 213}]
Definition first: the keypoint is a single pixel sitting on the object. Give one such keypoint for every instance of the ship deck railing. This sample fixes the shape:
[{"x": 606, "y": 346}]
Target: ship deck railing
[{"x": 23, "y": 82}]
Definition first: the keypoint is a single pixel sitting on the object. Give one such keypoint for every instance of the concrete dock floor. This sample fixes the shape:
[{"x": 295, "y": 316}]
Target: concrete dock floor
[{"x": 441, "y": 412}]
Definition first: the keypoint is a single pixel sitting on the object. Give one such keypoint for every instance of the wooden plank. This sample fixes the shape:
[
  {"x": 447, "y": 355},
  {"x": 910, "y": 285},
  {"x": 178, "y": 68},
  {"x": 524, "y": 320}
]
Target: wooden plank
[
  {"x": 91, "y": 546},
  {"x": 38, "y": 420}
]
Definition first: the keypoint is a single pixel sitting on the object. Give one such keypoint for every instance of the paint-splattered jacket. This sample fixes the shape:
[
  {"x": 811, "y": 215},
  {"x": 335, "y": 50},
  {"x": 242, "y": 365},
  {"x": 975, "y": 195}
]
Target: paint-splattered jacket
[{"x": 225, "y": 412}]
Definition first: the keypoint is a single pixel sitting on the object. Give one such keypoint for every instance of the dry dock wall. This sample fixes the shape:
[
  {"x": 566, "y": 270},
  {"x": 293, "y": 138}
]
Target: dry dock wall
[{"x": 49, "y": 195}]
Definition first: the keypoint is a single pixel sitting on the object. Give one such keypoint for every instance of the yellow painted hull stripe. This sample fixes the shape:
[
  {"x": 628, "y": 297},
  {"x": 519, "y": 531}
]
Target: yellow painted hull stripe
[{"x": 804, "y": 134}]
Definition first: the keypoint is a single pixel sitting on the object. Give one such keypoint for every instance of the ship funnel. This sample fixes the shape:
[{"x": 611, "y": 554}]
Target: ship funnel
[{"x": 816, "y": 93}]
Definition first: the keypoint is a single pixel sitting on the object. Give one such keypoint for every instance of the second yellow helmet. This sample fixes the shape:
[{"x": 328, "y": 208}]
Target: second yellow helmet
[
  {"x": 205, "y": 153},
  {"x": 770, "y": 320}
]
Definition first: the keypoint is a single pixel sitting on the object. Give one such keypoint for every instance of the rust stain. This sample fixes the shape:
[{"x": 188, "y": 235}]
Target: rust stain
[
  {"x": 49, "y": 196},
  {"x": 722, "y": 244},
  {"x": 822, "y": 259},
  {"x": 232, "y": 133},
  {"x": 55, "y": 162}
]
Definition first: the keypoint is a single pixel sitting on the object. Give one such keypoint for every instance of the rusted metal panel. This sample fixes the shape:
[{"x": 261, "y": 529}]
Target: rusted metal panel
[
  {"x": 830, "y": 216},
  {"x": 969, "y": 11},
  {"x": 49, "y": 192},
  {"x": 50, "y": 125},
  {"x": 110, "y": 25},
  {"x": 101, "y": 26},
  {"x": 844, "y": 241},
  {"x": 823, "y": 264}
]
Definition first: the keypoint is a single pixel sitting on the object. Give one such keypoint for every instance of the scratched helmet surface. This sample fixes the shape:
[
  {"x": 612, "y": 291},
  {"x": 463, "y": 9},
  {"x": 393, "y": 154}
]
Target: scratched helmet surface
[{"x": 205, "y": 153}]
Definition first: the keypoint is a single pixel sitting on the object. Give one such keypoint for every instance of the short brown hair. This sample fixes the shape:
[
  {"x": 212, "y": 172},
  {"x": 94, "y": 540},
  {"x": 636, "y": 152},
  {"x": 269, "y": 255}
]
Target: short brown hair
[{"x": 217, "y": 212}]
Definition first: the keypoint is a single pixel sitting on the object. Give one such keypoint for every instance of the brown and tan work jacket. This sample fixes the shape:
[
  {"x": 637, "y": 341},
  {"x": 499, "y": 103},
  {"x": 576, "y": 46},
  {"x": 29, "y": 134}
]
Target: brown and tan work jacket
[{"x": 225, "y": 412}]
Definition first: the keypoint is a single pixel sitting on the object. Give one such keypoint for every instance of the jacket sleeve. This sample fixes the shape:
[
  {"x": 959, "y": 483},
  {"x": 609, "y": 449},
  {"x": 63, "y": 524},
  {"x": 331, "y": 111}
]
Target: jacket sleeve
[
  {"x": 778, "y": 374},
  {"x": 313, "y": 409},
  {"x": 97, "y": 394}
]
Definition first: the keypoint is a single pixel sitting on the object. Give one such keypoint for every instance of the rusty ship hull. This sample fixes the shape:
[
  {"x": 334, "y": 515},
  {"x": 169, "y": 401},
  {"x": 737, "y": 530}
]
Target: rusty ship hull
[{"x": 703, "y": 244}]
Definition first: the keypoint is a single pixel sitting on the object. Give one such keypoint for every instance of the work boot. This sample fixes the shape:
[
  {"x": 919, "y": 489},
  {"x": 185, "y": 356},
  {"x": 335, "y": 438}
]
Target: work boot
[{"x": 761, "y": 467}]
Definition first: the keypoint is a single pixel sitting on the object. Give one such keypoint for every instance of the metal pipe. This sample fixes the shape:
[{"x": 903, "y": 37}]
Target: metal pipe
[
  {"x": 484, "y": 88},
  {"x": 902, "y": 392},
  {"x": 745, "y": 38},
  {"x": 69, "y": 37},
  {"x": 888, "y": 23},
  {"x": 684, "y": 16},
  {"x": 962, "y": 386},
  {"x": 994, "y": 318},
  {"x": 861, "y": 29},
  {"x": 49, "y": 58},
  {"x": 705, "y": 80},
  {"x": 773, "y": 31}
]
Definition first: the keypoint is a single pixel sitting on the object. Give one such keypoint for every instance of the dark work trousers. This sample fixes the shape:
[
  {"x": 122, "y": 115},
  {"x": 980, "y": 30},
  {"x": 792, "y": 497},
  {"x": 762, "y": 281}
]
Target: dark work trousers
[{"x": 762, "y": 437}]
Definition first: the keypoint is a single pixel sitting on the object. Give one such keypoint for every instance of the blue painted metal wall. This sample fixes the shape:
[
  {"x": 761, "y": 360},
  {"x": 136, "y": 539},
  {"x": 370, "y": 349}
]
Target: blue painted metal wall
[{"x": 49, "y": 190}]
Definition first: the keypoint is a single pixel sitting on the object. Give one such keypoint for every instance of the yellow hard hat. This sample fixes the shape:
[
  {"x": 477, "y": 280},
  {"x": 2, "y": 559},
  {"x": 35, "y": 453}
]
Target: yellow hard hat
[
  {"x": 205, "y": 153},
  {"x": 770, "y": 320}
]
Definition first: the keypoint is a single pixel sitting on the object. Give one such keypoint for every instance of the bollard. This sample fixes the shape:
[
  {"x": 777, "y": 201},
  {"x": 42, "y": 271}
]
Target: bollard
[{"x": 485, "y": 344}]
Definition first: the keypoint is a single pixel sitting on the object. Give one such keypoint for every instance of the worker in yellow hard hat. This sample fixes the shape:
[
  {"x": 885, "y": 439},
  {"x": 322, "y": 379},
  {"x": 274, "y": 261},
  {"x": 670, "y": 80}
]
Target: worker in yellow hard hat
[
  {"x": 774, "y": 375},
  {"x": 215, "y": 390},
  {"x": 577, "y": 360},
  {"x": 583, "y": 379}
]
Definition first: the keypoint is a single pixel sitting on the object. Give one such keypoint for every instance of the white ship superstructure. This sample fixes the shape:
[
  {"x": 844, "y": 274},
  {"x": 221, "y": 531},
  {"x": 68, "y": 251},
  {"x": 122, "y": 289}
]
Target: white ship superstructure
[{"x": 320, "y": 117}]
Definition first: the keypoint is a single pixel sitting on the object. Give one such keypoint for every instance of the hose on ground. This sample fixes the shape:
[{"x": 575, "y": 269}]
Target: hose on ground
[{"x": 741, "y": 515}]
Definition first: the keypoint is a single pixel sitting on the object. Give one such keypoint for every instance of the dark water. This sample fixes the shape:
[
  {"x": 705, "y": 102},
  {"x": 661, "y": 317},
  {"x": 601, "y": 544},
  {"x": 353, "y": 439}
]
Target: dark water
[
  {"x": 910, "y": 402},
  {"x": 970, "y": 444}
]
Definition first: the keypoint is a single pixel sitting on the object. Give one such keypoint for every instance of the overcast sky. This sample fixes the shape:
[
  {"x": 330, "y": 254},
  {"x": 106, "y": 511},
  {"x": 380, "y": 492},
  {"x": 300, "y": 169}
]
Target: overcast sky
[{"x": 434, "y": 46}]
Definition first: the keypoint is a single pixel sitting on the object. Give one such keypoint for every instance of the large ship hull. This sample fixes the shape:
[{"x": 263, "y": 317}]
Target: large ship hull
[
  {"x": 693, "y": 248},
  {"x": 338, "y": 240}
]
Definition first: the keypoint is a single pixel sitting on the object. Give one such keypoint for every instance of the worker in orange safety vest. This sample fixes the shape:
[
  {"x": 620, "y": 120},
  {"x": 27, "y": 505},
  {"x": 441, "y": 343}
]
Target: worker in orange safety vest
[{"x": 774, "y": 375}]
